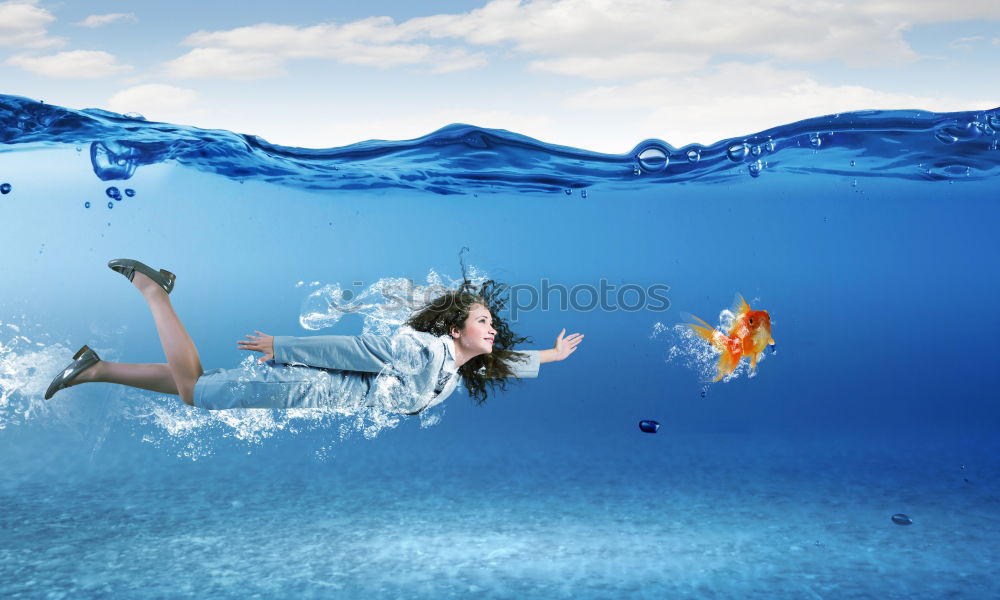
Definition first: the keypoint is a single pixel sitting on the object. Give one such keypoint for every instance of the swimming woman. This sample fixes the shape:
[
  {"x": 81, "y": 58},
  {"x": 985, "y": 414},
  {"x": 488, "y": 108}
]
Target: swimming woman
[{"x": 458, "y": 336}]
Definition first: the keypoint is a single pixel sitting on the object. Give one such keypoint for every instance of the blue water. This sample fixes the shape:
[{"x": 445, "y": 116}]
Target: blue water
[{"x": 869, "y": 237}]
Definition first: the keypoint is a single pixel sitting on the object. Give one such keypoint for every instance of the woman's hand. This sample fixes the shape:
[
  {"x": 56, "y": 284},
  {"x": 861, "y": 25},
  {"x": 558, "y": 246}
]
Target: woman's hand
[
  {"x": 258, "y": 343},
  {"x": 563, "y": 348}
]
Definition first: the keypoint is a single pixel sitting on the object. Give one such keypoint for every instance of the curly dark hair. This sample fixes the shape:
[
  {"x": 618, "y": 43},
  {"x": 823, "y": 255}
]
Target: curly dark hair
[{"x": 487, "y": 372}]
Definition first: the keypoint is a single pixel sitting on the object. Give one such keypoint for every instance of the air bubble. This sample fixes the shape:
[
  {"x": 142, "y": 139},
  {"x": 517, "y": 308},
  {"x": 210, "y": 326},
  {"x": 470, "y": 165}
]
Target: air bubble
[
  {"x": 853, "y": 163},
  {"x": 636, "y": 170},
  {"x": 583, "y": 193},
  {"x": 86, "y": 204},
  {"x": 5, "y": 188},
  {"x": 693, "y": 155},
  {"x": 129, "y": 192},
  {"x": 815, "y": 140},
  {"x": 653, "y": 159},
  {"x": 769, "y": 146},
  {"x": 737, "y": 152},
  {"x": 648, "y": 426},
  {"x": 111, "y": 204},
  {"x": 854, "y": 183},
  {"x": 569, "y": 192},
  {"x": 755, "y": 168},
  {"x": 945, "y": 138},
  {"x": 901, "y": 519},
  {"x": 755, "y": 150},
  {"x": 113, "y": 192}
]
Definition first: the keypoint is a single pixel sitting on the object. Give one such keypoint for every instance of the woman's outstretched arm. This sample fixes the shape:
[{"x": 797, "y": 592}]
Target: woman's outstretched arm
[{"x": 564, "y": 346}]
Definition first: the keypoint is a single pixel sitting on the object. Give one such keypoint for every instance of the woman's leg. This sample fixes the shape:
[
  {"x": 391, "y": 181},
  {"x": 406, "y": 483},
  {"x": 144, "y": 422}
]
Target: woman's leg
[
  {"x": 152, "y": 377},
  {"x": 182, "y": 356}
]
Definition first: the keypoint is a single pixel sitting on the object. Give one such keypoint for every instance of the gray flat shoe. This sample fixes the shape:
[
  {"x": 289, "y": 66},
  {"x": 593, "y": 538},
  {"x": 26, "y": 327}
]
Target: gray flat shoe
[
  {"x": 82, "y": 360},
  {"x": 128, "y": 267}
]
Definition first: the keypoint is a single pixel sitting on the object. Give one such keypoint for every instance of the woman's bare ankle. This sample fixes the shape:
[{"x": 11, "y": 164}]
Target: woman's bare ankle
[{"x": 88, "y": 375}]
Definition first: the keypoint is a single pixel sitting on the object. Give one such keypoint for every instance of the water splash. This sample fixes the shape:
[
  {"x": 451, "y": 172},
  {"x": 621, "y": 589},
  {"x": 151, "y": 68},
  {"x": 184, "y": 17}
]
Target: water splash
[
  {"x": 385, "y": 304},
  {"x": 464, "y": 159}
]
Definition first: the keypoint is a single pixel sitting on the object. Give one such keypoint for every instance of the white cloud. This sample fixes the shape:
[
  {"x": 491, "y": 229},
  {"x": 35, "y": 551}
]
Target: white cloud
[
  {"x": 608, "y": 29},
  {"x": 928, "y": 12},
  {"x": 374, "y": 41},
  {"x": 102, "y": 20},
  {"x": 75, "y": 64},
  {"x": 222, "y": 62},
  {"x": 155, "y": 101},
  {"x": 737, "y": 99},
  {"x": 606, "y": 39},
  {"x": 641, "y": 64},
  {"x": 22, "y": 25}
]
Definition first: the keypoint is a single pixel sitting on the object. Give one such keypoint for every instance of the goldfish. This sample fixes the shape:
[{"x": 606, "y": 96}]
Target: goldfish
[{"x": 748, "y": 336}]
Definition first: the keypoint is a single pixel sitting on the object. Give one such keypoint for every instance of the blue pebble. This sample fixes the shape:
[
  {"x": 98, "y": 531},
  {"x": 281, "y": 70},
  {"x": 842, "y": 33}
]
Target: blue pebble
[
  {"x": 901, "y": 519},
  {"x": 5, "y": 188},
  {"x": 649, "y": 426}
]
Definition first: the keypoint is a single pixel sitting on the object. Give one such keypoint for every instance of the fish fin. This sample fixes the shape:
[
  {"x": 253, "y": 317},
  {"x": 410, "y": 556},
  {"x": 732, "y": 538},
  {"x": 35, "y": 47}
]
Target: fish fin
[
  {"x": 740, "y": 306},
  {"x": 770, "y": 341}
]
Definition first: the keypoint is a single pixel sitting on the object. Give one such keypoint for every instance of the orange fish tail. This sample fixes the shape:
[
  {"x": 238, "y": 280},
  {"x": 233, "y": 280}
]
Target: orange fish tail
[
  {"x": 727, "y": 363},
  {"x": 708, "y": 333}
]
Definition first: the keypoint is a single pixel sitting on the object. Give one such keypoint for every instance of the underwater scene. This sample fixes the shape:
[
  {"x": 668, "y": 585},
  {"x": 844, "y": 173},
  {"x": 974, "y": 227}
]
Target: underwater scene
[{"x": 851, "y": 452}]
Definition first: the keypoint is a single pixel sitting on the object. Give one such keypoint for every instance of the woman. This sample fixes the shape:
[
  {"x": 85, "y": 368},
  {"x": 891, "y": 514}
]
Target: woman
[{"x": 457, "y": 336}]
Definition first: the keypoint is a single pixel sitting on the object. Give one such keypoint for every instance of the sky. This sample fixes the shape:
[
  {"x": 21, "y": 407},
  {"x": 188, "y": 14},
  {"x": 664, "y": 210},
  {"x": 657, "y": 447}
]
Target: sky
[{"x": 600, "y": 75}]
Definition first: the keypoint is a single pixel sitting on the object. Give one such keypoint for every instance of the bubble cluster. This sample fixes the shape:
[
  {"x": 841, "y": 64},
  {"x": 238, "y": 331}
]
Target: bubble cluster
[{"x": 752, "y": 153}]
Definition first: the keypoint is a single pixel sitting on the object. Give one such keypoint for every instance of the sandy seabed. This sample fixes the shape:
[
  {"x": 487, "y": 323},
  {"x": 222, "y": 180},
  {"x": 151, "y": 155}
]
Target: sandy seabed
[{"x": 702, "y": 517}]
